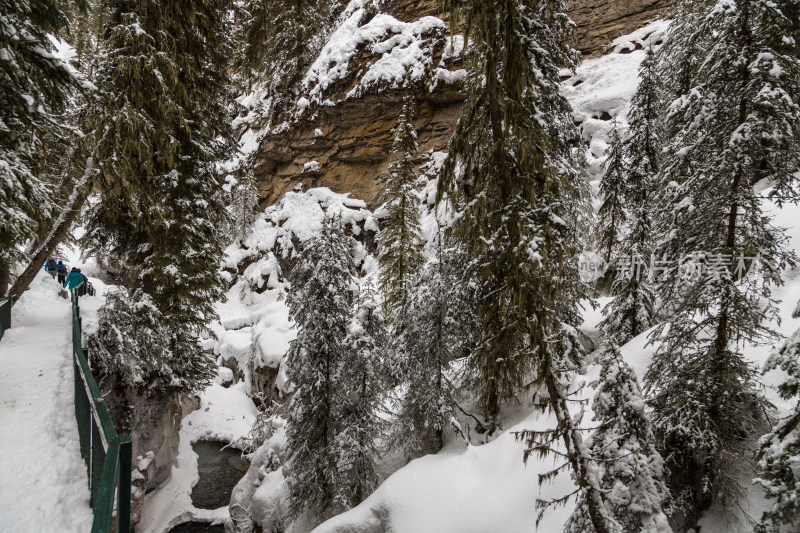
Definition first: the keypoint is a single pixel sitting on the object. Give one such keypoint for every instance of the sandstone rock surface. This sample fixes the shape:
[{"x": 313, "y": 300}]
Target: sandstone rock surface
[{"x": 351, "y": 141}]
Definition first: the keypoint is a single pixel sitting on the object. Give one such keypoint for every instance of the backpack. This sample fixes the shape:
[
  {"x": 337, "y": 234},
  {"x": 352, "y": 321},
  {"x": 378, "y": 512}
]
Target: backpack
[
  {"x": 62, "y": 269},
  {"x": 85, "y": 279}
]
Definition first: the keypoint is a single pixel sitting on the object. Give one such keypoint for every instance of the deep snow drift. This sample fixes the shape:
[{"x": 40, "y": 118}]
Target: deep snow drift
[{"x": 44, "y": 486}]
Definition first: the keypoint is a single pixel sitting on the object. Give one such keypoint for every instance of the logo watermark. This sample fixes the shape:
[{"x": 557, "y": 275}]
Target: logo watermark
[{"x": 688, "y": 267}]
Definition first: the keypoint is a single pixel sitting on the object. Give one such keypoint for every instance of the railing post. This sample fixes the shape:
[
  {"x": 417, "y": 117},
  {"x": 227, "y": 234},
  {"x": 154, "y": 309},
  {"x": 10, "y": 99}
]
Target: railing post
[
  {"x": 124, "y": 490},
  {"x": 91, "y": 449}
]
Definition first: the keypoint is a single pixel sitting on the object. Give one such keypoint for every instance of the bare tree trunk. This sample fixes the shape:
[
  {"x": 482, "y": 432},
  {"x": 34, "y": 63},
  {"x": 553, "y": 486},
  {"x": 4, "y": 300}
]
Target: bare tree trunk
[{"x": 57, "y": 234}]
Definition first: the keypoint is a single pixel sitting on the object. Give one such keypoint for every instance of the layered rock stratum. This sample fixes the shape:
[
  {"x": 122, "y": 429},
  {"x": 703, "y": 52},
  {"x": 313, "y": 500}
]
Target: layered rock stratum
[{"x": 340, "y": 136}]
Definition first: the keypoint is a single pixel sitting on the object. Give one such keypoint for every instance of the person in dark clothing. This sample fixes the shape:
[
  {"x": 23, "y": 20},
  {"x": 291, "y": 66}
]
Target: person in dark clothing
[
  {"x": 61, "y": 270},
  {"x": 51, "y": 267},
  {"x": 74, "y": 280}
]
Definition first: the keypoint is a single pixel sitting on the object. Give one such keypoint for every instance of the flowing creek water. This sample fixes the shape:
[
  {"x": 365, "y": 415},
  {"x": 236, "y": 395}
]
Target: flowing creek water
[
  {"x": 197, "y": 527},
  {"x": 219, "y": 471}
]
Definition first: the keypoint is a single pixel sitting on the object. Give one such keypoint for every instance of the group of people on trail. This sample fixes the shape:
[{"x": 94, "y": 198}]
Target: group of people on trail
[{"x": 70, "y": 280}]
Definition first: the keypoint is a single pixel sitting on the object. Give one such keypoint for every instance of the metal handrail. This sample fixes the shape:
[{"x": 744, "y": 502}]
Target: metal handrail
[{"x": 108, "y": 456}]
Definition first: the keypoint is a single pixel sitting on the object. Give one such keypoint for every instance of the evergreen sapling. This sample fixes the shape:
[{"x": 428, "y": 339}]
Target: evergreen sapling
[
  {"x": 399, "y": 241},
  {"x": 630, "y": 469}
]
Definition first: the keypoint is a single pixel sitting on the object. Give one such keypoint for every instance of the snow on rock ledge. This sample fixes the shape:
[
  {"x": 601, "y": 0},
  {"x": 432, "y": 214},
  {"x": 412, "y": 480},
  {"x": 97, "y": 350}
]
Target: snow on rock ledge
[
  {"x": 405, "y": 50},
  {"x": 254, "y": 330},
  {"x": 602, "y": 88}
]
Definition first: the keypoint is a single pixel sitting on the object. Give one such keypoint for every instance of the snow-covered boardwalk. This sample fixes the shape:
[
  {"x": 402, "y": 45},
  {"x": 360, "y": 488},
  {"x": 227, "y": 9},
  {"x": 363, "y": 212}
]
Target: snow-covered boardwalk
[{"x": 43, "y": 484}]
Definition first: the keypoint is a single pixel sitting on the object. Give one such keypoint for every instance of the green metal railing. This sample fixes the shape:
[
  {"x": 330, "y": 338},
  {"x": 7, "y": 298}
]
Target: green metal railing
[
  {"x": 107, "y": 456},
  {"x": 5, "y": 315},
  {"x": 84, "y": 289}
]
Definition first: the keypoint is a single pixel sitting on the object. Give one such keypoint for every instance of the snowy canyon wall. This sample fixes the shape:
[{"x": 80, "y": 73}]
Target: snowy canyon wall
[{"x": 354, "y": 91}]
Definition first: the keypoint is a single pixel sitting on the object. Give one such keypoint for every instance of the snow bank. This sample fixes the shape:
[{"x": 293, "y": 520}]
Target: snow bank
[
  {"x": 476, "y": 489},
  {"x": 602, "y": 88},
  {"x": 254, "y": 326}
]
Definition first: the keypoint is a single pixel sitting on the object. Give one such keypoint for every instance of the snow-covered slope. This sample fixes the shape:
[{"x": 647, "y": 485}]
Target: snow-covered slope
[{"x": 486, "y": 488}]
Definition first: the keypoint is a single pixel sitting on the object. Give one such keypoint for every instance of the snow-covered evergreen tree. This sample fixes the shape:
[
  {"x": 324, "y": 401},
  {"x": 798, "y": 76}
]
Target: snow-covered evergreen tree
[
  {"x": 280, "y": 40},
  {"x": 631, "y": 470},
  {"x": 779, "y": 456},
  {"x": 612, "y": 215},
  {"x": 136, "y": 346},
  {"x": 158, "y": 134},
  {"x": 681, "y": 53},
  {"x": 86, "y": 36},
  {"x": 435, "y": 330},
  {"x": 242, "y": 203},
  {"x": 737, "y": 125},
  {"x": 319, "y": 303},
  {"x": 633, "y": 309},
  {"x": 645, "y": 136},
  {"x": 34, "y": 86},
  {"x": 361, "y": 386},
  {"x": 400, "y": 239},
  {"x": 520, "y": 199}
]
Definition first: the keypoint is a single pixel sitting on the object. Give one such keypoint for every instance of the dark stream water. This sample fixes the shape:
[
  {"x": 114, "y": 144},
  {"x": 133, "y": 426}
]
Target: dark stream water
[{"x": 220, "y": 470}]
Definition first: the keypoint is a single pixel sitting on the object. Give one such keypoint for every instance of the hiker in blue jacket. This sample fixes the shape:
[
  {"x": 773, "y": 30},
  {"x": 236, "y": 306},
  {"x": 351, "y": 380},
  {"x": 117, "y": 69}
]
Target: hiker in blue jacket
[
  {"x": 50, "y": 266},
  {"x": 74, "y": 279}
]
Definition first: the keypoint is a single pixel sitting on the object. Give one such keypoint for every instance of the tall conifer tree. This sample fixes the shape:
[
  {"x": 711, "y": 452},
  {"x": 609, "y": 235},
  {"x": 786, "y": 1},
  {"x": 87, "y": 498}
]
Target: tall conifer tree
[
  {"x": 612, "y": 215},
  {"x": 633, "y": 309},
  {"x": 34, "y": 86},
  {"x": 739, "y": 123},
  {"x": 360, "y": 386},
  {"x": 319, "y": 303},
  {"x": 435, "y": 330},
  {"x": 158, "y": 135},
  {"x": 520, "y": 196},
  {"x": 280, "y": 41},
  {"x": 400, "y": 237}
]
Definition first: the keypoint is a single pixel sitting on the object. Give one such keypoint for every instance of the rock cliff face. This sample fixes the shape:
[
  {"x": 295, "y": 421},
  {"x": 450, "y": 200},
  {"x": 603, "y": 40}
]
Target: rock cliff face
[
  {"x": 153, "y": 424},
  {"x": 350, "y": 141},
  {"x": 601, "y": 21}
]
